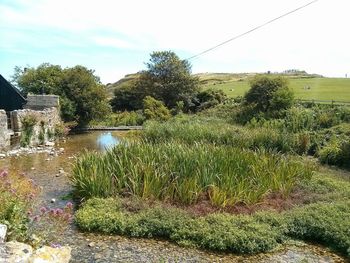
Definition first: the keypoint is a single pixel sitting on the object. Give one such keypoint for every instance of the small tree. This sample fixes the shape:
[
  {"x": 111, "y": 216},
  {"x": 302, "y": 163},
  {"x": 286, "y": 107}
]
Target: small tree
[
  {"x": 167, "y": 78},
  {"x": 155, "y": 109},
  {"x": 269, "y": 94}
]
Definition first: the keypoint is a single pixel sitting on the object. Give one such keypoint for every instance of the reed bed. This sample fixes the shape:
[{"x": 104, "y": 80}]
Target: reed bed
[
  {"x": 184, "y": 173},
  {"x": 221, "y": 133}
]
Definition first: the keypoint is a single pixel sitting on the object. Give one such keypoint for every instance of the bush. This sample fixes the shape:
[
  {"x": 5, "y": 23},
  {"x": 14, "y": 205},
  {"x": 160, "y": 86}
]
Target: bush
[
  {"x": 128, "y": 118},
  {"x": 241, "y": 234},
  {"x": 261, "y": 232},
  {"x": 155, "y": 110},
  {"x": 336, "y": 153},
  {"x": 269, "y": 94},
  {"x": 323, "y": 223}
]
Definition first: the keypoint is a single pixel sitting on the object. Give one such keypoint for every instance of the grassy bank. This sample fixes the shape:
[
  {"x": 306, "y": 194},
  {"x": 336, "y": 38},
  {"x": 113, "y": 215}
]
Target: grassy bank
[{"x": 324, "y": 221}]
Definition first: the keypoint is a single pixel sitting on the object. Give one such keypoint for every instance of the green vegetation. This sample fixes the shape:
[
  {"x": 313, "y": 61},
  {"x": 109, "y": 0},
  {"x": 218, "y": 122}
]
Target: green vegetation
[
  {"x": 324, "y": 221},
  {"x": 155, "y": 110},
  {"x": 28, "y": 122},
  {"x": 186, "y": 173},
  {"x": 167, "y": 78},
  {"x": 82, "y": 96},
  {"x": 16, "y": 199},
  {"x": 304, "y": 88}
]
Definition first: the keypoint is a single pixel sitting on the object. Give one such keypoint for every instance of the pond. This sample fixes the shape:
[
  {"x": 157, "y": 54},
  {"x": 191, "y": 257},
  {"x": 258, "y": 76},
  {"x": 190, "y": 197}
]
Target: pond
[{"x": 51, "y": 173}]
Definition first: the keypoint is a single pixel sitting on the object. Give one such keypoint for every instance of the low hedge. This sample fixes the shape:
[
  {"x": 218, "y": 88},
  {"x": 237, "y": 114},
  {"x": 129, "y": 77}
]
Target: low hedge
[{"x": 242, "y": 234}]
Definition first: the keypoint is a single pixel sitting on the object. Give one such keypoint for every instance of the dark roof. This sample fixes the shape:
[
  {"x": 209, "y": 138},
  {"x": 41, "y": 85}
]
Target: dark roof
[{"x": 10, "y": 97}]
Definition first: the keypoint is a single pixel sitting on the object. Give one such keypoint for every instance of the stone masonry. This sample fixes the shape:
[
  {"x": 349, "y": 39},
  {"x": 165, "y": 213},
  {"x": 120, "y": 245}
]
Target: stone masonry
[{"x": 43, "y": 108}]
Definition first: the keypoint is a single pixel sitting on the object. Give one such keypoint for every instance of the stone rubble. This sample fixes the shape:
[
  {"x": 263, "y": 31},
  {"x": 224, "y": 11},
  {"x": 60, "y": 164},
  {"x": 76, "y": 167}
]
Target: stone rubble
[{"x": 16, "y": 252}]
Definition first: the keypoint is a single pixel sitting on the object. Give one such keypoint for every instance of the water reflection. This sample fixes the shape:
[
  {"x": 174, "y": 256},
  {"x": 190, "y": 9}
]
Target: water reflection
[{"x": 106, "y": 141}]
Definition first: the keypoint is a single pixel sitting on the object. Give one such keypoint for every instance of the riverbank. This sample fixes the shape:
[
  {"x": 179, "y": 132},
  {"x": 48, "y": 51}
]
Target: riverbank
[{"x": 105, "y": 248}]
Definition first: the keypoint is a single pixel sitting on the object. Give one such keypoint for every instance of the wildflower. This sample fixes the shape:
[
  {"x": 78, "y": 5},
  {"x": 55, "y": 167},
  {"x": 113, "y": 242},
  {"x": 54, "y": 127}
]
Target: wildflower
[
  {"x": 53, "y": 245},
  {"x": 36, "y": 218},
  {"x": 43, "y": 210},
  {"x": 69, "y": 205},
  {"x": 3, "y": 173},
  {"x": 58, "y": 211}
]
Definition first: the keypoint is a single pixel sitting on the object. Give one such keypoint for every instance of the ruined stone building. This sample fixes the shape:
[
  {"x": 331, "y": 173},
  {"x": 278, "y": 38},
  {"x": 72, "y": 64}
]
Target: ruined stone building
[{"x": 26, "y": 121}]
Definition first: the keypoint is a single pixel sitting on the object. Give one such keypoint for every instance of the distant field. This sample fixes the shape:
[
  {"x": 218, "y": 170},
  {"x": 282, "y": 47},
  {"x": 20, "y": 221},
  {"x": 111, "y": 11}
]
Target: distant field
[{"x": 337, "y": 89}]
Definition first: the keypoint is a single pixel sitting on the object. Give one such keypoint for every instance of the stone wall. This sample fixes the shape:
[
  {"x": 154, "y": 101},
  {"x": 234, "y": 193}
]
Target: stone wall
[
  {"x": 4, "y": 132},
  {"x": 45, "y": 123},
  {"x": 40, "y": 102}
]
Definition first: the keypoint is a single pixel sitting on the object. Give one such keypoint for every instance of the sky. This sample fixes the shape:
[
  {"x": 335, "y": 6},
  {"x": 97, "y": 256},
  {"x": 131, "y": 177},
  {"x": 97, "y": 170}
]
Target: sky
[{"x": 115, "y": 38}]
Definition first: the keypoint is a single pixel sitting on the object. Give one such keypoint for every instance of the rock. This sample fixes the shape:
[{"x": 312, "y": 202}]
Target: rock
[
  {"x": 50, "y": 144},
  {"x": 53, "y": 200},
  {"x": 91, "y": 244},
  {"x": 2, "y": 155},
  {"x": 3, "y": 231},
  {"x": 61, "y": 171},
  {"x": 51, "y": 255},
  {"x": 15, "y": 252},
  {"x": 61, "y": 149}
]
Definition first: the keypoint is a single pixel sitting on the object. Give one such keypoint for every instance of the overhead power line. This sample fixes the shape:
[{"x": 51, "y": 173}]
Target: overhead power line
[{"x": 252, "y": 30}]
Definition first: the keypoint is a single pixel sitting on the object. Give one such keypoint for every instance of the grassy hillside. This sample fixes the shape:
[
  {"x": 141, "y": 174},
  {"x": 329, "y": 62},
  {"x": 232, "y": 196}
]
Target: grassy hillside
[
  {"x": 316, "y": 88},
  {"x": 236, "y": 84}
]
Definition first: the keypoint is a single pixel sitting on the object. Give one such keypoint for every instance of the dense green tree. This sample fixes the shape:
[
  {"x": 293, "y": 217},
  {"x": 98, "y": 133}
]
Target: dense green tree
[
  {"x": 269, "y": 94},
  {"x": 82, "y": 96},
  {"x": 167, "y": 78}
]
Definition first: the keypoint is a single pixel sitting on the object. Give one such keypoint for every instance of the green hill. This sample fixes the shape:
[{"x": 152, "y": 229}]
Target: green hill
[{"x": 305, "y": 86}]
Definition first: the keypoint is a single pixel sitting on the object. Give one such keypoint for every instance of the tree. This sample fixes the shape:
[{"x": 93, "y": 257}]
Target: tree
[
  {"x": 82, "y": 96},
  {"x": 167, "y": 78},
  {"x": 269, "y": 94}
]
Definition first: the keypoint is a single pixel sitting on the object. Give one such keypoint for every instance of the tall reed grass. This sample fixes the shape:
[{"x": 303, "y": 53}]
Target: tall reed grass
[
  {"x": 191, "y": 130},
  {"x": 184, "y": 173}
]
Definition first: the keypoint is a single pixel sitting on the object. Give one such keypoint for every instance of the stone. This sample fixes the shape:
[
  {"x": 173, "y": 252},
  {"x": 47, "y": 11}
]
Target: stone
[
  {"x": 2, "y": 155},
  {"x": 15, "y": 252},
  {"x": 53, "y": 200},
  {"x": 91, "y": 244},
  {"x": 51, "y": 255},
  {"x": 49, "y": 144},
  {"x": 3, "y": 231}
]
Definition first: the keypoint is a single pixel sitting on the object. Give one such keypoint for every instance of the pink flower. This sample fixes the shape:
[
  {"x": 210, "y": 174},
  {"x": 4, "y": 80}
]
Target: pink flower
[
  {"x": 55, "y": 245},
  {"x": 3, "y": 173},
  {"x": 69, "y": 205},
  {"x": 43, "y": 210},
  {"x": 36, "y": 218},
  {"x": 58, "y": 211}
]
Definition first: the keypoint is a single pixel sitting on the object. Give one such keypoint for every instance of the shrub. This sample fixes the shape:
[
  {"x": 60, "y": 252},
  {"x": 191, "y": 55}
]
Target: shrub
[
  {"x": 336, "y": 153},
  {"x": 240, "y": 234},
  {"x": 324, "y": 223},
  {"x": 28, "y": 122},
  {"x": 128, "y": 118},
  {"x": 155, "y": 110},
  {"x": 269, "y": 94},
  {"x": 244, "y": 234}
]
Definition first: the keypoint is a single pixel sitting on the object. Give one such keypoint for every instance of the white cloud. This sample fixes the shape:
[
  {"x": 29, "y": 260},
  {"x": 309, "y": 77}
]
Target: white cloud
[{"x": 315, "y": 38}]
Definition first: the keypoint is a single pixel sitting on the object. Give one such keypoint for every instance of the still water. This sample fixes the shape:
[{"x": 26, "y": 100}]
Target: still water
[{"x": 45, "y": 169}]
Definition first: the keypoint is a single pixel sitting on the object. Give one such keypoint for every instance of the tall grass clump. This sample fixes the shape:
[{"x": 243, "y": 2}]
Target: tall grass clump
[
  {"x": 221, "y": 133},
  {"x": 184, "y": 174}
]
